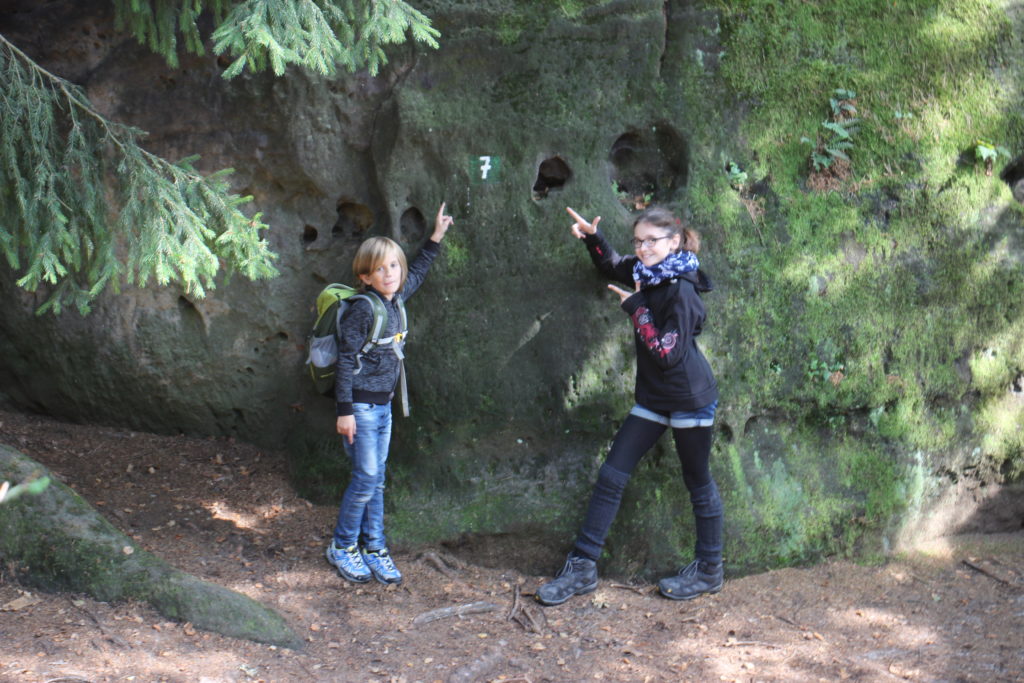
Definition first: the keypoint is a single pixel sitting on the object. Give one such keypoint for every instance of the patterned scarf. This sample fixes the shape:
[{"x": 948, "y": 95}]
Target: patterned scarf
[{"x": 673, "y": 266}]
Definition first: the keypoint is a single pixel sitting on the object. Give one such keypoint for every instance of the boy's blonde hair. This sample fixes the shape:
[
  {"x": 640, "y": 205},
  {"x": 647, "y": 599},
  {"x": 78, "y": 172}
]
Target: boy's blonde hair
[{"x": 373, "y": 252}]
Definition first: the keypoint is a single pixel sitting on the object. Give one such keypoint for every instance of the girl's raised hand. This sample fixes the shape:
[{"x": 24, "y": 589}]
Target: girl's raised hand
[
  {"x": 441, "y": 225},
  {"x": 581, "y": 227},
  {"x": 623, "y": 293}
]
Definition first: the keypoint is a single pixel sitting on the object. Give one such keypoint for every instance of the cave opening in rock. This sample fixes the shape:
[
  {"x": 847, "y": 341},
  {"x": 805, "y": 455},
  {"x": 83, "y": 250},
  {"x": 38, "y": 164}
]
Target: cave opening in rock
[
  {"x": 354, "y": 219},
  {"x": 553, "y": 174},
  {"x": 649, "y": 165},
  {"x": 412, "y": 225},
  {"x": 1013, "y": 175},
  {"x": 309, "y": 235}
]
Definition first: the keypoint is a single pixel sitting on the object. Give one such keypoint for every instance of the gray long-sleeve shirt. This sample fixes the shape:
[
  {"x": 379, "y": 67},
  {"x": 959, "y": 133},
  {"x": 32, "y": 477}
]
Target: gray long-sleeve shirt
[{"x": 378, "y": 375}]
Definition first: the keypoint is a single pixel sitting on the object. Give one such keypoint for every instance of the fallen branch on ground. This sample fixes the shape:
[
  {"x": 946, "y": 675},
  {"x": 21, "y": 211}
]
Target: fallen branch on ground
[
  {"x": 455, "y": 611},
  {"x": 440, "y": 564},
  {"x": 639, "y": 590},
  {"x": 981, "y": 570},
  {"x": 527, "y": 616}
]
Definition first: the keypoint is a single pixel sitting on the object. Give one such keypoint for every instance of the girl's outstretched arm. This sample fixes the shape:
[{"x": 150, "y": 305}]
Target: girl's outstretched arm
[{"x": 607, "y": 260}]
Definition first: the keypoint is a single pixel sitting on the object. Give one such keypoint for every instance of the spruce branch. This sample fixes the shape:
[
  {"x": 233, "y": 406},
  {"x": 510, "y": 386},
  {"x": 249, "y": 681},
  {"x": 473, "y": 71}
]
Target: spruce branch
[
  {"x": 157, "y": 23},
  {"x": 258, "y": 34},
  {"x": 317, "y": 34},
  {"x": 83, "y": 206}
]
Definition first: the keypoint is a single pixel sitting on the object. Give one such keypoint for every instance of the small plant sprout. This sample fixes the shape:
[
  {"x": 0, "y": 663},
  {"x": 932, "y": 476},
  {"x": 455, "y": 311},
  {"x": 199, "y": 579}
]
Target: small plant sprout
[
  {"x": 737, "y": 176},
  {"x": 821, "y": 371},
  {"x": 839, "y": 130},
  {"x": 842, "y": 104},
  {"x": 637, "y": 202},
  {"x": 837, "y": 140},
  {"x": 986, "y": 154}
]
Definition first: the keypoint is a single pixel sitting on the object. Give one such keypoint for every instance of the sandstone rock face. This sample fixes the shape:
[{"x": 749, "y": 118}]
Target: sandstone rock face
[
  {"x": 559, "y": 110},
  {"x": 520, "y": 362}
]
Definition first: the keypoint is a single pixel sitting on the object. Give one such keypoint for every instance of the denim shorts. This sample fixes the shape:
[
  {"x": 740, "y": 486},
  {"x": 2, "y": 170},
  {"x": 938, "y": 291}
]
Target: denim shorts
[{"x": 679, "y": 419}]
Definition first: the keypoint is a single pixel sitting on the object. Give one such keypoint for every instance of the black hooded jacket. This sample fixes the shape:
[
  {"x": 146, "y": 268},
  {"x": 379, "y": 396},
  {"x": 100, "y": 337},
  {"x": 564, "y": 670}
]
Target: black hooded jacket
[{"x": 671, "y": 372}]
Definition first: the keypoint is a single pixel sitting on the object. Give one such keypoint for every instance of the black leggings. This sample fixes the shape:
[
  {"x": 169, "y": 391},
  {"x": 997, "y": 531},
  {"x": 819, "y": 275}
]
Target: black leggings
[{"x": 636, "y": 436}]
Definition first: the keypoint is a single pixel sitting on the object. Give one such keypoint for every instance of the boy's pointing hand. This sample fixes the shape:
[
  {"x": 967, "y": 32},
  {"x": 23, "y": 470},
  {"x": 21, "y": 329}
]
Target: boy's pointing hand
[{"x": 441, "y": 225}]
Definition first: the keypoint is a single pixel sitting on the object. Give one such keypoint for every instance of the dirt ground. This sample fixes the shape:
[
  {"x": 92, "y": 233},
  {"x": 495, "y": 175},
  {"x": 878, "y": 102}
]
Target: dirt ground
[{"x": 951, "y": 611}]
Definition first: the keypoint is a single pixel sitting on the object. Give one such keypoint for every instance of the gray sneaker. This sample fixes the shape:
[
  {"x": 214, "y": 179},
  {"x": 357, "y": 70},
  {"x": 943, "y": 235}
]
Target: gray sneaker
[
  {"x": 578, "y": 576},
  {"x": 696, "y": 578},
  {"x": 349, "y": 563},
  {"x": 380, "y": 564}
]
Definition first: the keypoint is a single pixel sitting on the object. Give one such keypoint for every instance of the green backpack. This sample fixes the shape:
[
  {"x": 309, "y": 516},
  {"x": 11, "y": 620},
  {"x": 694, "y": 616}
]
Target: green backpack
[{"x": 331, "y": 304}]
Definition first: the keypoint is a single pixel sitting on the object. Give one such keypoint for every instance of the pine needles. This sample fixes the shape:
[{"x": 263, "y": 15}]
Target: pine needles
[
  {"x": 156, "y": 23},
  {"x": 83, "y": 206},
  {"x": 259, "y": 34}
]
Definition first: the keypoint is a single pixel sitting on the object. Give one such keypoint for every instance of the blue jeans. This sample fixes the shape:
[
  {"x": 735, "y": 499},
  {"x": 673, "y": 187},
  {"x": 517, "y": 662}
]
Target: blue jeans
[{"x": 361, "y": 515}]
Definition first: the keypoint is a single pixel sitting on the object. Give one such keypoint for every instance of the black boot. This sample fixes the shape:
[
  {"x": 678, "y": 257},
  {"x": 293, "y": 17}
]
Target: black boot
[
  {"x": 697, "y": 578},
  {"x": 578, "y": 576}
]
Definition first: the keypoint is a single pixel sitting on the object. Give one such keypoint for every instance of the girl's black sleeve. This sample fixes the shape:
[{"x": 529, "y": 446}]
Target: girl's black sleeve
[
  {"x": 608, "y": 261},
  {"x": 667, "y": 341}
]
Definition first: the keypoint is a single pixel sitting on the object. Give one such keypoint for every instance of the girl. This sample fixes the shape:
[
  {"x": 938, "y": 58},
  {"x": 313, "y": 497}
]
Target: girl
[
  {"x": 364, "y": 387},
  {"x": 674, "y": 388}
]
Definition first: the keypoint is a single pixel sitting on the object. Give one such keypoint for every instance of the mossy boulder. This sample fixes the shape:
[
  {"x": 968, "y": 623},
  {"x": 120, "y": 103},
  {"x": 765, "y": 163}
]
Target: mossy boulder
[{"x": 57, "y": 541}]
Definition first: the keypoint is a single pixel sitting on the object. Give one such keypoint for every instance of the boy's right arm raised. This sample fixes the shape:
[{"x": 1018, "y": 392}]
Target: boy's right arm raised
[
  {"x": 428, "y": 252},
  {"x": 607, "y": 260}
]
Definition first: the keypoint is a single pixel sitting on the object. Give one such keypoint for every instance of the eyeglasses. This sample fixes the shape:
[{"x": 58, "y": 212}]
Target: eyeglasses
[{"x": 649, "y": 242}]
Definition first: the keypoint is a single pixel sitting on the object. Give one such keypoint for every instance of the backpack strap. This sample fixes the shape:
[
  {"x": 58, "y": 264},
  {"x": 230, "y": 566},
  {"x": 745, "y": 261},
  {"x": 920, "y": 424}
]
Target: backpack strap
[
  {"x": 399, "y": 345},
  {"x": 397, "y": 342},
  {"x": 380, "y": 315},
  {"x": 402, "y": 317},
  {"x": 380, "y": 321}
]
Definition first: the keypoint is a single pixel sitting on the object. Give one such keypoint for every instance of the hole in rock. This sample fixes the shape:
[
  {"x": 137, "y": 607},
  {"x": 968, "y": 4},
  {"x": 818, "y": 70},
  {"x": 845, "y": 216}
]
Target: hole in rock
[
  {"x": 354, "y": 219},
  {"x": 1013, "y": 175},
  {"x": 309, "y": 235},
  {"x": 190, "y": 315},
  {"x": 649, "y": 165},
  {"x": 725, "y": 432},
  {"x": 553, "y": 174},
  {"x": 412, "y": 225}
]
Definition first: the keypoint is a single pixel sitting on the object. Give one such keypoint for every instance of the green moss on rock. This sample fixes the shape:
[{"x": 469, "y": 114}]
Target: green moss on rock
[{"x": 57, "y": 541}]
